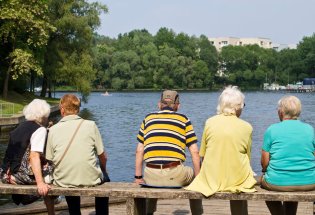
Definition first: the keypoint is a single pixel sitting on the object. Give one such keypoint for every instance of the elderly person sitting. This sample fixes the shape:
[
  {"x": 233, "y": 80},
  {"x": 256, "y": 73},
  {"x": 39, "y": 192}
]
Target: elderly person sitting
[
  {"x": 226, "y": 147},
  {"x": 288, "y": 155},
  {"x": 22, "y": 162}
]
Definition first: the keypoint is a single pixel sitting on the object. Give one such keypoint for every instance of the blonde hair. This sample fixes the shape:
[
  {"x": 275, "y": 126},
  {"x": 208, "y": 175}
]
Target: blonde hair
[
  {"x": 230, "y": 101},
  {"x": 290, "y": 106},
  {"x": 70, "y": 103},
  {"x": 37, "y": 110}
]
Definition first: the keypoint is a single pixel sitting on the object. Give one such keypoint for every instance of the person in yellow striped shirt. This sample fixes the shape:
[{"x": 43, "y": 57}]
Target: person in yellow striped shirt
[{"x": 162, "y": 140}]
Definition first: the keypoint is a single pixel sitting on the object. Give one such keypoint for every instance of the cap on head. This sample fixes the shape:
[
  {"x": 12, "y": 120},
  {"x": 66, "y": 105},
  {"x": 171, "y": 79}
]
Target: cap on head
[{"x": 170, "y": 97}]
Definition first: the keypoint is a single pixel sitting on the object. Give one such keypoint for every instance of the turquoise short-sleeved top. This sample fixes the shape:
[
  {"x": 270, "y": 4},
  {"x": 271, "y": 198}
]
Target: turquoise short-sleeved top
[{"x": 291, "y": 146}]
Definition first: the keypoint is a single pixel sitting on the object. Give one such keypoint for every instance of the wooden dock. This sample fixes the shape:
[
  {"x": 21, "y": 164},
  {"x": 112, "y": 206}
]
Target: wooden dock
[{"x": 165, "y": 207}]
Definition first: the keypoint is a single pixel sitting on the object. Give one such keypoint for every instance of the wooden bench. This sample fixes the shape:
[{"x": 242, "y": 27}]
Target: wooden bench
[{"x": 136, "y": 195}]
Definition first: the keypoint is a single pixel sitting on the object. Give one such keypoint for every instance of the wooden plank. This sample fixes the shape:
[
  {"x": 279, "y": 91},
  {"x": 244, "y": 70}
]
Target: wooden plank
[
  {"x": 220, "y": 207},
  {"x": 177, "y": 206},
  {"x": 39, "y": 206},
  {"x": 131, "y": 190}
]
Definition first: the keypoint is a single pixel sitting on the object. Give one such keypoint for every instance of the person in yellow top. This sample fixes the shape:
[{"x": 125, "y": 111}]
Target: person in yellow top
[{"x": 225, "y": 149}]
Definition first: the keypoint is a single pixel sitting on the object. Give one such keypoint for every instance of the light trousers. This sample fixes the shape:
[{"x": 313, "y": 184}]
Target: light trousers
[{"x": 175, "y": 176}]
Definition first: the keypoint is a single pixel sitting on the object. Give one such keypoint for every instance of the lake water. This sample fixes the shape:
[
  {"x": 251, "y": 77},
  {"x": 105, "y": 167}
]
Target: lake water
[{"x": 119, "y": 116}]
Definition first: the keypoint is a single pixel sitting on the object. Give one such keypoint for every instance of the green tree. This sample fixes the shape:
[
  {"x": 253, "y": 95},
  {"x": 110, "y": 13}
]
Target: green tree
[
  {"x": 306, "y": 50},
  {"x": 185, "y": 45},
  {"x": 207, "y": 53},
  {"x": 75, "y": 20},
  {"x": 102, "y": 62},
  {"x": 24, "y": 28},
  {"x": 289, "y": 65},
  {"x": 164, "y": 36},
  {"x": 117, "y": 83}
]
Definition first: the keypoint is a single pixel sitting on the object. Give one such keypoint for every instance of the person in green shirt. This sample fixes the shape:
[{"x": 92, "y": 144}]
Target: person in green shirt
[
  {"x": 287, "y": 159},
  {"x": 78, "y": 166}
]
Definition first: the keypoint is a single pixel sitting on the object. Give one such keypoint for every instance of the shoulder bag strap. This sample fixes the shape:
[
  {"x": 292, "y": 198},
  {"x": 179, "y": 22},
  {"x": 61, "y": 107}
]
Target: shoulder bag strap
[{"x": 73, "y": 136}]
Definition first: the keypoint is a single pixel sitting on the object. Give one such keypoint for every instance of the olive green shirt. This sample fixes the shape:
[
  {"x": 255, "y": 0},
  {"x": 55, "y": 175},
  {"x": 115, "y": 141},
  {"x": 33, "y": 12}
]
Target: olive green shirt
[{"x": 79, "y": 166}]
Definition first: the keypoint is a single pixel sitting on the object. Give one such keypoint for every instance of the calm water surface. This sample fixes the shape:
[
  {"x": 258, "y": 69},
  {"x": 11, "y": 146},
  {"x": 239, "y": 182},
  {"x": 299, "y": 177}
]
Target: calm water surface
[{"x": 119, "y": 116}]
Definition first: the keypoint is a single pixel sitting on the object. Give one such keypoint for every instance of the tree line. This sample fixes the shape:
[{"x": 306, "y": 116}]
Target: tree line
[
  {"x": 53, "y": 43},
  {"x": 139, "y": 60}
]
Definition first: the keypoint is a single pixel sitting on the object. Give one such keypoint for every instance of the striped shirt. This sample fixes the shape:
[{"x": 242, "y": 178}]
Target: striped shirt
[{"x": 165, "y": 135}]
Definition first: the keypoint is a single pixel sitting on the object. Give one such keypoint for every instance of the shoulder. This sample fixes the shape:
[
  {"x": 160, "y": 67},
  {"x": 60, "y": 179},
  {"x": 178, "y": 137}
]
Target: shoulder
[
  {"x": 182, "y": 115},
  {"x": 245, "y": 124},
  {"x": 89, "y": 122},
  {"x": 54, "y": 127},
  {"x": 150, "y": 114},
  {"x": 307, "y": 126},
  {"x": 273, "y": 127},
  {"x": 212, "y": 119},
  {"x": 89, "y": 125},
  {"x": 41, "y": 131}
]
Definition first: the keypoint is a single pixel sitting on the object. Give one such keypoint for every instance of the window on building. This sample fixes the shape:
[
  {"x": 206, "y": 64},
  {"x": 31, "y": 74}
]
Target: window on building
[
  {"x": 224, "y": 42},
  {"x": 261, "y": 43}
]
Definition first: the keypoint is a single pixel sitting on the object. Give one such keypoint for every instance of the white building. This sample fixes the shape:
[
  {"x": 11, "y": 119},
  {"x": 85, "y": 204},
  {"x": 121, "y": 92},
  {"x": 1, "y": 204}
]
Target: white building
[
  {"x": 279, "y": 47},
  {"x": 220, "y": 42}
]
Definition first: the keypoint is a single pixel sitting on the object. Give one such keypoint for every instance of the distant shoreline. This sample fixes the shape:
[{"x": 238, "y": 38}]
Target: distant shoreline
[{"x": 156, "y": 90}]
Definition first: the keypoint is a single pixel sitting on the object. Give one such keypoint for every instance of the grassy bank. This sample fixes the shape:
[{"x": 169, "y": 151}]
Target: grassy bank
[{"x": 15, "y": 102}]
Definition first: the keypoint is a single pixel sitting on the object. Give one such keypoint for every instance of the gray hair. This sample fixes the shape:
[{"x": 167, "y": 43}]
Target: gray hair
[
  {"x": 290, "y": 106},
  {"x": 230, "y": 101},
  {"x": 37, "y": 110}
]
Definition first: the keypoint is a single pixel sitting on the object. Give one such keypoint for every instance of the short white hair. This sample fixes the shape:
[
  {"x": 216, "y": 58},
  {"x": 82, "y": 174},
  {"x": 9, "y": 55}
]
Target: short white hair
[
  {"x": 230, "y": 101},
  {"x": 36, "y": 110},
  {"x": 290, "y": 106}
]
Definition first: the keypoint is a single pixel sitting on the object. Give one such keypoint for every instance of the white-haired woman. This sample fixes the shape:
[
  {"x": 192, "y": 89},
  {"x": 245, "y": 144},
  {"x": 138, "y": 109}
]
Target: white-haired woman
[
  {"x": 288, "y": 155},
  {"x": 226, "y": 148},
  {"x": 22, "y": 162}
]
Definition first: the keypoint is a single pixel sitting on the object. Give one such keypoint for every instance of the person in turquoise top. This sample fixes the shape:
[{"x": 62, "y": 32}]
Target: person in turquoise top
[{"x": 288, "y": 160}]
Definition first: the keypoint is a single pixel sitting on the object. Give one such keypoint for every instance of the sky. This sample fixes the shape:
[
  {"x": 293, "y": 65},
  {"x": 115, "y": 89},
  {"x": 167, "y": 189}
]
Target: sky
[{"x": 282, "y": 21}]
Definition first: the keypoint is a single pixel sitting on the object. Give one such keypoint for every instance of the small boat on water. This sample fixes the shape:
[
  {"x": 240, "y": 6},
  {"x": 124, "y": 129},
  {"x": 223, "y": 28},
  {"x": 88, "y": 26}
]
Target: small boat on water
[{"x": 106, "y": 94}]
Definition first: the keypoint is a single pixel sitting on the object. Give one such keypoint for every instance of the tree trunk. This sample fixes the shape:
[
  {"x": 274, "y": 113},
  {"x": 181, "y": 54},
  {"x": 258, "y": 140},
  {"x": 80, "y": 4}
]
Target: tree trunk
[
  {"x": 32, "y": 82},
  {"x": 6, "y": 83},
  {"x": 49, "y": 89},
  {"x": 44, "y": 86}
]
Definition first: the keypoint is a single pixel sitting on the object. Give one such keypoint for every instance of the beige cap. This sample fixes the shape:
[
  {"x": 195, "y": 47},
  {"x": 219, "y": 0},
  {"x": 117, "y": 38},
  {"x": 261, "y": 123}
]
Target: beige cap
[{"x": 169, "y": 97}]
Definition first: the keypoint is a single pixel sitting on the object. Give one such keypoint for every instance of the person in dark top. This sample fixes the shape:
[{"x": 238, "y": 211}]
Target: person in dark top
[{"x": 23, "y": 162}]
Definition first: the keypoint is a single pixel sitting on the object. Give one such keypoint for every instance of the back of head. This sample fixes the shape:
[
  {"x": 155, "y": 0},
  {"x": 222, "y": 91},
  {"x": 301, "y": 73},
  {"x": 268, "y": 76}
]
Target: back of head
[
  {"x": 37, "y": 110},
  {"x": 70, "y": 103},
  {"x": 169, "y": 98},
  {"x": 290, "y": 107},
  {"x": 230, "y": 101}
]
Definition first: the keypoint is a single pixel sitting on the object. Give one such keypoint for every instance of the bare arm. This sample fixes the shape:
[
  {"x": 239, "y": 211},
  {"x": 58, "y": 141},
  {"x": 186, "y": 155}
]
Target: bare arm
[
  {"x": 265, "y": 158},
  {"x": 195, "y": 158},
  {"x": 42, "y": 187},
  {"x": 138, "y": 162},
  {"x": 103, "y": 159}
]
